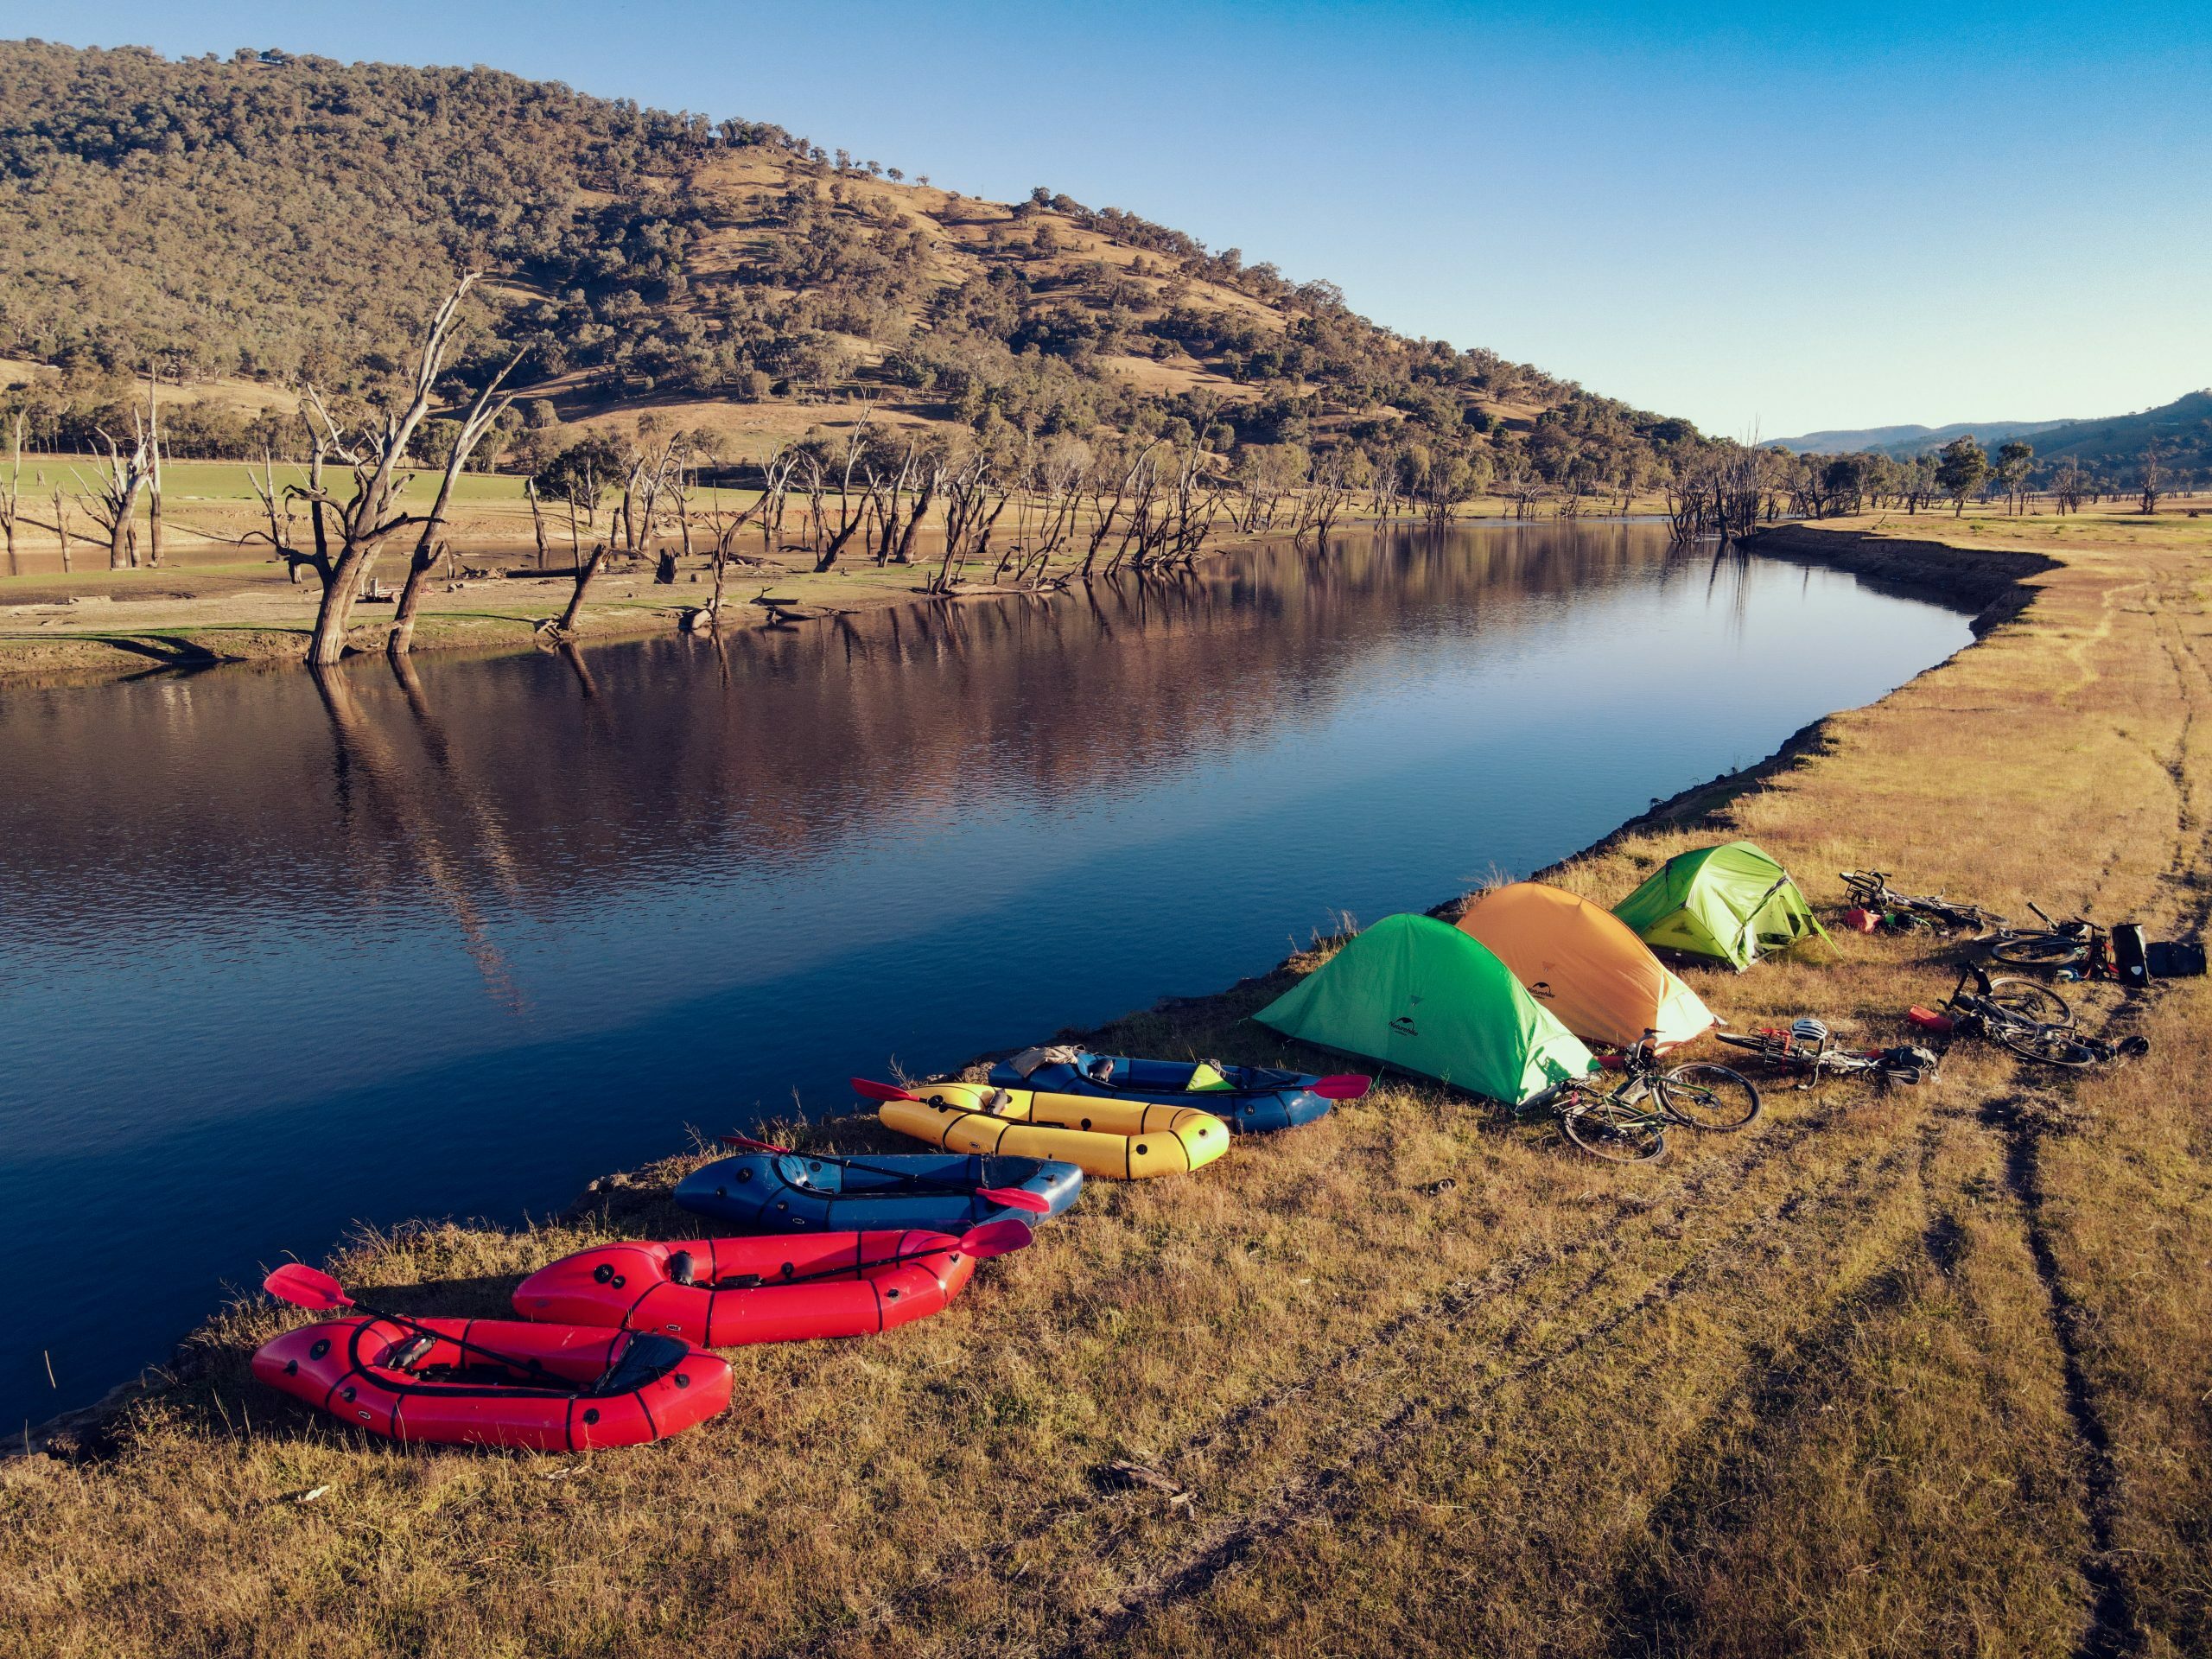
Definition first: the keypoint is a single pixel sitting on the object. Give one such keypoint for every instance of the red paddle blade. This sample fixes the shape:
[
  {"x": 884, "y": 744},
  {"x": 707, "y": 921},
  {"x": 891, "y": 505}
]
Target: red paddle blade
[
  {"x": 868, "y": 1090},
  {"x": 1015, "y": 1197},
  {"x": 746, "y": 1142},
  {"x": 303, "y": 1286},
  {"x": 1345, "y": 1085},
  {"x": 994, "y": 1238}
]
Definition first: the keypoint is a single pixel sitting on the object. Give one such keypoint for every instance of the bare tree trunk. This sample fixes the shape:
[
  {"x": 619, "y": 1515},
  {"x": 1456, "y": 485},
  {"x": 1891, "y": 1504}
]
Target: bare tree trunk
[
  {"x": 585, "y": 572},
  {"x": 372, "y": 515},
  {"x": 154, "y": 475},
  {"x": 61, "y": 529},
  {"x": 487, "y": 408},
  {"x": 536, "y": 519}
]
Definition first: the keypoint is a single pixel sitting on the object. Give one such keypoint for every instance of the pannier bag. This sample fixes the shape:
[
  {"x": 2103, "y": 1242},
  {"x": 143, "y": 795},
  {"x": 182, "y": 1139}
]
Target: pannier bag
[
  {"x": 2174, "y": 959},
  {"x": 2130, "y": 962}
]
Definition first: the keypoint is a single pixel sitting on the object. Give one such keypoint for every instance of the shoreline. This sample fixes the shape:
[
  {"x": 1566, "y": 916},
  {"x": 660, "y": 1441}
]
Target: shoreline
[
  {"x": 1745, "y": 1384},
  {"x": 492, "y": 614},
  {"x": 1995, "y": 584}
]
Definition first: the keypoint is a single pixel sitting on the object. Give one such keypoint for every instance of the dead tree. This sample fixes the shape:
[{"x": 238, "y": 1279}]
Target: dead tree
[
  {"x": 829, "y": 544},
  {"x": 12, "y": 499},
  {"x": 2153, "y": 479},
  {"x": 1105, "y": 508},
  {"x": 276, "y": 510},
  {"x": 969, "y": 518},
  {"x": 536, "y": 519},
  {"x": 586, "y": 570},
  {"x": 489, "y": 404},
  {"x": 1323, "y": 500},
  {"x": 153, "y": 468},
  {"x": 373, "y": 515},
  {"x": 112, "y": 499},
  {"x": 61, "y": 528}
]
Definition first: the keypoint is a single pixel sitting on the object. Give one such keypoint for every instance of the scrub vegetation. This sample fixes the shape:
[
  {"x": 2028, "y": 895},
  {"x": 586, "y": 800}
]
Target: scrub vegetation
[{"x": 1911, "y": 1372}]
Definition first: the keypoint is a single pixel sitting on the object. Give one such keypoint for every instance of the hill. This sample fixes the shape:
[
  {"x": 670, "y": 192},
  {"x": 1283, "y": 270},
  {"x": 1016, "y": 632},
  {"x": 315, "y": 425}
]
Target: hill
[
  {"x": 277, "y": 218},
  {"x": 1905, "y": 441},
  {"x": 2182, "y": 430}
]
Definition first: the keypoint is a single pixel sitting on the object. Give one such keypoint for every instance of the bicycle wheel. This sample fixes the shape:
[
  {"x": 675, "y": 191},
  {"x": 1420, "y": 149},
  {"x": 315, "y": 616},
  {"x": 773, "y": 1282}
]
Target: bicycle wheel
[
  {"x": 2051, "y": 950},
  {"x": 2036, "y": 1004},
  {"x": 2049, "y": 1045},
  {"x": 1606, "y": 1127},
  {"x": 1708, "y": 1097}
]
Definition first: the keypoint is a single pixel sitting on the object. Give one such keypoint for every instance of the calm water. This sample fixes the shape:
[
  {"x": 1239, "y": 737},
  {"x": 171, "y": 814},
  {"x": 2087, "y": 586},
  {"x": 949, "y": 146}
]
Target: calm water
[{"x": 276, "y": 959}]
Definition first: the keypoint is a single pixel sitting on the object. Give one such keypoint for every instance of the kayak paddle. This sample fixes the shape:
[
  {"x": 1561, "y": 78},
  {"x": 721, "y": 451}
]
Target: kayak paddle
[
  {"x": 302, "y": 1285},
  {"x": 868, "y": 1090},
  {"x": 1345, "y": 1085},
  {"x": 1008, "y": 1197}
]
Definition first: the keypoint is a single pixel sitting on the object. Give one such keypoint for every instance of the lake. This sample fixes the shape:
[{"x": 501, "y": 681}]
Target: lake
[{"x": 277, "y": 956}]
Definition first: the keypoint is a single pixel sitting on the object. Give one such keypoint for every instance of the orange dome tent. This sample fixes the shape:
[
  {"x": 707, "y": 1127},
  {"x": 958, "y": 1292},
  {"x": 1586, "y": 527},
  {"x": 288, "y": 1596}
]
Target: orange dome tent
[{"x": 1586, "y": 965}]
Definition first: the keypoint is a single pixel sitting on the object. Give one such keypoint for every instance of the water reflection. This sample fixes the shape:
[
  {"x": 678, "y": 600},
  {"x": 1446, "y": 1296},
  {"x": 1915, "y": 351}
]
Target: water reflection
[{"x": 283, "y": 950}]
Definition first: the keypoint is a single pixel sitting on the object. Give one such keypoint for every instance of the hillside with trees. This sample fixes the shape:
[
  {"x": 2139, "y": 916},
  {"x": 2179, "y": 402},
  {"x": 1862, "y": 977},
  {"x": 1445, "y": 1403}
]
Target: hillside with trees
[{"x": 265, "y": 221}]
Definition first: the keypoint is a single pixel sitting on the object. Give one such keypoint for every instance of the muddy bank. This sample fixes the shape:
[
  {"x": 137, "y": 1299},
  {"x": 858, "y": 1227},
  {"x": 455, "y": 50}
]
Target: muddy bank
[{"x": 1992, "y": 580}]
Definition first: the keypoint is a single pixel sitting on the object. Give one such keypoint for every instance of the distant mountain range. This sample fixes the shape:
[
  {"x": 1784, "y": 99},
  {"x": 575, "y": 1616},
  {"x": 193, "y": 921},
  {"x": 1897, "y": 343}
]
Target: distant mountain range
[
  {"x": 1904, "y": 441},
  {"x": 2116, "y": 443}
]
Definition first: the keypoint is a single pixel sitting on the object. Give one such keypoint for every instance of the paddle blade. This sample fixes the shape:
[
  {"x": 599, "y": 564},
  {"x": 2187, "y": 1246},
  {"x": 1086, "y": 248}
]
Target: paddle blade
[
  {"x": 1015, "y": 1197},
  {"x": 994, "y": 1238},
  {"x": 1345, "y": 1085},
  {"x": 746, "y": 1143},
  {"x": 303, "y": 1286},
  {"x": 868, "y": 1090}
]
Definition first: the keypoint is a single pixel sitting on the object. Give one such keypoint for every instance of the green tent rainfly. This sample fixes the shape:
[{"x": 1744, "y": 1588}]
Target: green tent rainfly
[
  {"x": 1419, "y": 995},
  {"x": 1731, "y": 904}
]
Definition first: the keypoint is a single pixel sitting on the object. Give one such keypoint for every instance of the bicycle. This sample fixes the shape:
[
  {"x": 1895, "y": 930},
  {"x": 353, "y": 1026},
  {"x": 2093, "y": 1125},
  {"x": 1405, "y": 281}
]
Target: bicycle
[
  {"x": 2078, "y": 945},
  {"x": 1871, "y": 890},
  {"x": 2030, "y": 1019},
  {"x": 1809, "y": 1049},
  {"x": 1627, "y": 1124}
]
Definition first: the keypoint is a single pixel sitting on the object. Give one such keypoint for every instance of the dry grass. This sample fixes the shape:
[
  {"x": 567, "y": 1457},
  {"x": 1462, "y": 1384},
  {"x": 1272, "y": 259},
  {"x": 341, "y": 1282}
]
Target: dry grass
[{"x": 1921, "y": 1372}]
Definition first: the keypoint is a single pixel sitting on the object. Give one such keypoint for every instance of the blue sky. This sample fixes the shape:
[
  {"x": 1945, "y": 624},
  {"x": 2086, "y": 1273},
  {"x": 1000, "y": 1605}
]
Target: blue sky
[{"x": 1779, "y": 216}]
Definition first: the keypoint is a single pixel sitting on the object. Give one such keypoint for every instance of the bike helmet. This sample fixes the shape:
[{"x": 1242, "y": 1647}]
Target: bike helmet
[{"x": 1814, "y": 1033}]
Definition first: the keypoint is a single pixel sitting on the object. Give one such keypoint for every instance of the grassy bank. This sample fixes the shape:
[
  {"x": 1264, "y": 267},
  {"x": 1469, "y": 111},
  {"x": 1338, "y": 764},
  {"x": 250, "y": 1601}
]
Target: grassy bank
[{"x": 1913, "y": 1372}]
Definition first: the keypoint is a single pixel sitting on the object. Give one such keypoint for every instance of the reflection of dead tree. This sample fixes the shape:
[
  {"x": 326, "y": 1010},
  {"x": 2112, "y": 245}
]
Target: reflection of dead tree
[
  {"x": 574, "y": 660},
  {"x": 491, "y": 833},
  {"x": 362, "y": 748},
  {"x": 488, "y": 406}
]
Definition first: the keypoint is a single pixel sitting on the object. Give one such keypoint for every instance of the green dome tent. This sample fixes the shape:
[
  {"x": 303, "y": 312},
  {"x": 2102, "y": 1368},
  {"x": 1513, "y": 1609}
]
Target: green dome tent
[
  {"x": 1731, "y": 904},
  {"x": 1417, "y": 994}
]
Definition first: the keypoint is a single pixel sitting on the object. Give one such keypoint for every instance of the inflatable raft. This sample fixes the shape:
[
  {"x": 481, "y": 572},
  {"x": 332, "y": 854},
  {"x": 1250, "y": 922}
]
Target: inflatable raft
[
  {"x": 789, "y": 1192},
  {"x": 562, "y": 1389},
  {"x": 1122, "y": 1139},
  {"x": 1248, "y": 1098},
  {"x": 723, "y": 1292}
]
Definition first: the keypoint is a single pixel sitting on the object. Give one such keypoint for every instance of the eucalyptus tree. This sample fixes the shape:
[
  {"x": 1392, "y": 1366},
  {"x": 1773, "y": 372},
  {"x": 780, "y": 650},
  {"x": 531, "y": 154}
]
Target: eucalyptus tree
[{"x": 1960, "y": 470}]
